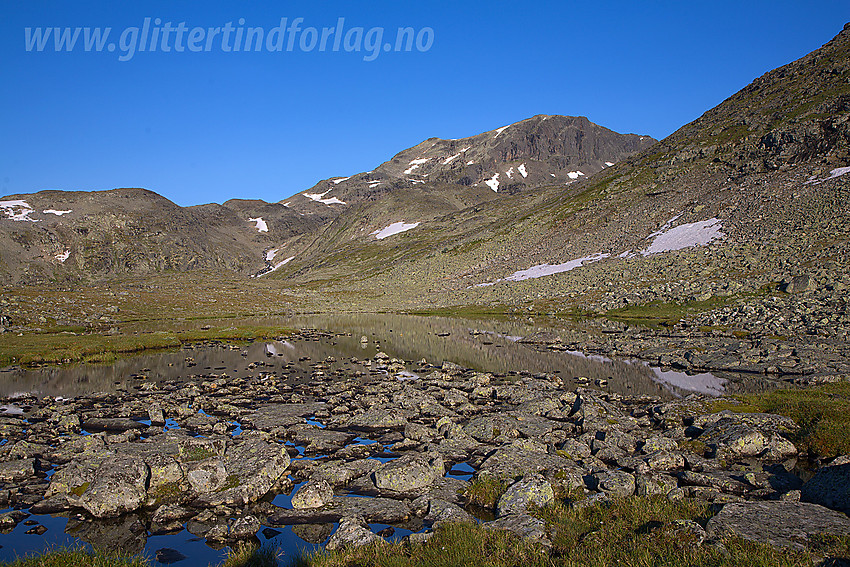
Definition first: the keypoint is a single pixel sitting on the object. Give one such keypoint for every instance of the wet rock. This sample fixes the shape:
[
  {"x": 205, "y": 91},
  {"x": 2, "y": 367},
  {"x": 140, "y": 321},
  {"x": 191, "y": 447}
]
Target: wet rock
[
  {"x": 167, "y": 556},
  {"x": 313, "y": 494},
  {"x": 529, "y": 492},
  {"x": 112, "y": 424},
  {"x": 352, "y": 532},
  {"x": 830, "y": 486},
  {"x": 781, "y": 524},
  {"x": 409, "y": 473},
  {"x": 118, "y": 487}
]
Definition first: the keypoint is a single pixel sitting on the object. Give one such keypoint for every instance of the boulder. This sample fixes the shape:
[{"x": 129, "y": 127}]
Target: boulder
[
  {"x": 409, "y": 473},
  {"x": 352, "y": 532},
  {"x": 781, "y": 524},
  {"x": 312, "y": 495},
  {"x": 531, "y": 491},
  {"x": 119, "y": 486}
]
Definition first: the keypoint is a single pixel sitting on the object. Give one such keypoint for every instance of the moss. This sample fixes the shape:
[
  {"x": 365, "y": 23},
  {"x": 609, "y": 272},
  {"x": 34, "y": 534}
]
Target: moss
[
  {"x": 80, "y": 490},
  {"x": 196, "y": 453},
  {"x": 166, "y": 493},
  {"x": 232, "y": 481}
]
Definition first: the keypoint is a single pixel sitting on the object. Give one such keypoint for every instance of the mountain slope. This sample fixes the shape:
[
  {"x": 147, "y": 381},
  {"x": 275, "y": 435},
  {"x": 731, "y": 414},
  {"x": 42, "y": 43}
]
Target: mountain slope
[
  {"x": 539, "y": 151},
  {"x": 759, "y": 177}
]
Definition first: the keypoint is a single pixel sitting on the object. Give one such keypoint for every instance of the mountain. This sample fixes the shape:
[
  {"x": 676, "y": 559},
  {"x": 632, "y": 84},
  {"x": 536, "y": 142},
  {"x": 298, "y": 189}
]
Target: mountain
[
  {"x": 85, "y": 235},
  {"x": 135, "y": 231},
  {"x": 543, "y": 150},
  {"x": 748, "y": 195}
]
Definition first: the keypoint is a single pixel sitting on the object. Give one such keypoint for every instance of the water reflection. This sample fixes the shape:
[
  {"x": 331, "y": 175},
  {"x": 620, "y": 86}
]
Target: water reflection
[{"x": 485, "y": 346}]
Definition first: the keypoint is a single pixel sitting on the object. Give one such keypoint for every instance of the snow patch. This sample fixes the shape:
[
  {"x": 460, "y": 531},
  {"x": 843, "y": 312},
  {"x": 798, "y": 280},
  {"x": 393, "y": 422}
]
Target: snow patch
[
  {"x": 17, "y": 210},
  {"x": 373, "y": 184},
  {"x": 470, "y": 162},
  {"x": 262, "y": 226},
  {"x": 608, "y": 163},
  {"x": 63, "y": 256},
  {"x": 500, "y": 130},
  {"x": 395, "y": 228},
  {"x": 414, "y": 164},
  {"x": 684, "y": 236},
  {"x": 271, "y": 254},
  {"x": 450, "y": 159},
  {"x": 278, "y": 265},
  {"x": 55, "y": 212},
  {"x": 510, "y": 173},
  {"x": 574, "y": 174},
  {"x": 542, "y": 270},
  {"x": 522, "y": 170},
  {"x": 493, "y": 182},
  {"x": 838, "y": 172},
  {"x": 340, "y": 180},
  {"x": 319, "y": 198}
]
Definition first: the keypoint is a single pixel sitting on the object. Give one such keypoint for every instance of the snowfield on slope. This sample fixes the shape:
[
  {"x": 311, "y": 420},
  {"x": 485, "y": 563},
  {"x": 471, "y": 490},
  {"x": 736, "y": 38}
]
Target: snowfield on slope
[
  {"x": 395, "y": 228},
  {"x": 684, "y": 236},
  {"x": 17, "y": 210},
  {"x": 542, "y": 270},
  {"x": 319, "y": 198},
  {"x": 262, "y": 226}
]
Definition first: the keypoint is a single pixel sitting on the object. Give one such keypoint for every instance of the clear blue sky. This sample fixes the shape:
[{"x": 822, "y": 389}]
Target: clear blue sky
[{"x": 203, "y": 126}]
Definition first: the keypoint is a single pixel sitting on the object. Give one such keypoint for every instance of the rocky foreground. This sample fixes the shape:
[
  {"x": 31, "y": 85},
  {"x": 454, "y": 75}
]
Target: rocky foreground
[{"x": 211, "y": 453}]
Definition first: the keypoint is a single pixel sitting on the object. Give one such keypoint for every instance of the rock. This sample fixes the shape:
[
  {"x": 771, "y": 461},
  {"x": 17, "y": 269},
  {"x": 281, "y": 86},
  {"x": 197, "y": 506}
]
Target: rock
[
  {"x": 830, "y": 487},
  {"x": 799, "y": 284},
  {"x": 781, "y": 524},
  {"x": 377, "y": 419},
  {"x": 253, "y": 467},
  {"x": 352, "y": 532},
  {"x": 530, "y": 491},
  {"x": 126, "y": 534},
  {"x": 523, "y": 525},
  {"x": 313, "y": 494},
  {"x": 410, "y": 472},
  {"x": 207, "y": 476},
  {"x": 615, "y": 483},
  {"x": 654, "y": 483},
  {"x": 375, "y": 510},
  {"x": 245, "y": 527},
  {"x": 118, "y": 487},
  {"x": 112, "y": 424},
  {"x": 17, "y": 470},
  {"x": 749, "y": 435},
  {"x": 156, "y": 415}
]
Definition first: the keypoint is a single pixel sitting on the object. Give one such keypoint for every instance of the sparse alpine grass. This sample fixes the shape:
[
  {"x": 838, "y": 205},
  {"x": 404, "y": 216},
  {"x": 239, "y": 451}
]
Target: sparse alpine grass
[{"x": 632, "y": 532}]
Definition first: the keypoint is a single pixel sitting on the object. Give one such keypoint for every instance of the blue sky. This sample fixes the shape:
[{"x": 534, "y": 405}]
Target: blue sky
[{"x": 204, "y": 126}]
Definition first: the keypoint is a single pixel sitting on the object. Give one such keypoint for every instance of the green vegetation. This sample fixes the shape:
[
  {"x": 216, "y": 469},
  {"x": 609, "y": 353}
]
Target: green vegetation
[
  {"x": 822, "y": 412},
  {"x": 50, "y": 348},
  {"x": 660, "y": 314},
  {"x": 79, "y": 558},
  {"x": 241, "y": 555},
  {"x": 635, "y": 531},
  {"x": 485, "y": 491}
]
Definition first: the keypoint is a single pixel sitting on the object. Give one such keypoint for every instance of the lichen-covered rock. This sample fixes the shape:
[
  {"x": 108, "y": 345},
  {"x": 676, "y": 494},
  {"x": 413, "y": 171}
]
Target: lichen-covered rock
[
  {"x": 379, "y": 418},
  {"x": 352, "y": 532},
  {"x": 781, "y": 524},
  {"x": 410, "y": 472},
  {"x": 253, "y": 467},
  {"x": 207, "y": 476},
  {"x": 119, "y": 486},
  {"x": 530, "y": 491},
  {"x": 312, "y": 495},
  {"x": 17, "y": 470},
  {"x": 654, "y": 484},
  {"x": 523, "y": 525},
  {"x": 615, "y": 483}
]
